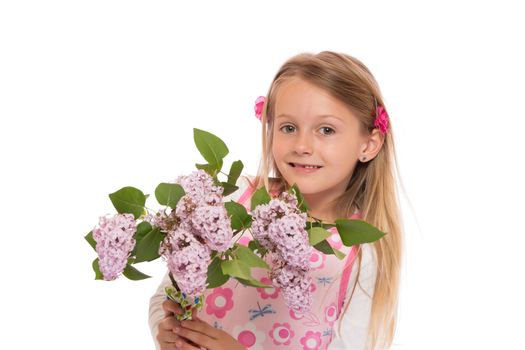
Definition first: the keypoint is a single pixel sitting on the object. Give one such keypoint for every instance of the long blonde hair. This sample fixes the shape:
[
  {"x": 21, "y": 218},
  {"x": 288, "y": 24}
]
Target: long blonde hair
[{"x": 372, "y": 187}]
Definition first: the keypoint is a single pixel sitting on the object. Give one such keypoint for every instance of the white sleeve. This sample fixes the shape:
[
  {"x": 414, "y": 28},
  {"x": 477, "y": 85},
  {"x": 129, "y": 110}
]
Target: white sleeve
[
  {"x": 156, "y": 313},
  {"x": 351, "y": 329}
]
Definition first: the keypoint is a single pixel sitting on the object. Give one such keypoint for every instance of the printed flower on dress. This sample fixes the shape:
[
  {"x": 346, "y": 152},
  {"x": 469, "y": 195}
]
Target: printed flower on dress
[
  {"x": 249, "y": 336},
  {"x": 219, "y": 302},
  {"x": 313, "y": 287},
  {"x": 317, "y": 260},
  {"x": 281, "y": 333},
  {"x": 294, "y": 315},
  {"x": 330, "y": 314},
  {"x": 334, "y": 240},
  {"x": 311, "y": 340},
  {"x": 266, "y": 293}
]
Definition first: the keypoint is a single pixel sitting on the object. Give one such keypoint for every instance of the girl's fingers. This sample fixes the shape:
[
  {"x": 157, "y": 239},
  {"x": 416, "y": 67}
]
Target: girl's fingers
[
  {"x": 201, "y": 327},
  {"x": 167, "y": 337},
  {"x": 170, "y": 307},
  {"x": 181, "y": 344},
  {"x": 198, "y": 338},
  {"x": 169, "y": 323}
]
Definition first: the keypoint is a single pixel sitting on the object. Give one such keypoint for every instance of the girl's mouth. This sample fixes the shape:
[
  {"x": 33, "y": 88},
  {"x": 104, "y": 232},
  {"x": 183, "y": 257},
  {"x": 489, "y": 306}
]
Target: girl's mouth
[{"x": 305, "y": 166}]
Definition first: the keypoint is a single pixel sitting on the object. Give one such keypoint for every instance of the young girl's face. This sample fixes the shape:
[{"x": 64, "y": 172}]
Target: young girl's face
[{"x": 316, "y": 139}]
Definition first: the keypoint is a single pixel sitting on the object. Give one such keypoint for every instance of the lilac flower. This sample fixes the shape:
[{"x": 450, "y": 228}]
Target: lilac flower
[
  {"x": 188, "y": 261},
  {"x": 114, "y": 237},
  {"x": 263, "y": 215},
  {"x": 290, "y": 239},
  {"x": 279, "y": 226},
  {"x": 295, "y": 285},
  {"x": 214, "y": 226},
  {"x": 200, "y": 189}
]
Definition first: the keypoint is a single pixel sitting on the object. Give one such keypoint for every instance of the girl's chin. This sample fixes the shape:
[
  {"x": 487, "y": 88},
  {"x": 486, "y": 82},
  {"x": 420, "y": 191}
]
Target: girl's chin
[{"x": 305, "y": 187}]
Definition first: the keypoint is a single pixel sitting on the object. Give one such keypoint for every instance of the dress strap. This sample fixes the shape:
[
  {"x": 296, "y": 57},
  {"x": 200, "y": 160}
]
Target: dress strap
[
  {"x": 347, "y": 270},
  {"x": 247, "y": 194}
]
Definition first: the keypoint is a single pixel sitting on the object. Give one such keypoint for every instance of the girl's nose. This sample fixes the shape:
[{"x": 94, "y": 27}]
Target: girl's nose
[{"x": 303, "y": 144}]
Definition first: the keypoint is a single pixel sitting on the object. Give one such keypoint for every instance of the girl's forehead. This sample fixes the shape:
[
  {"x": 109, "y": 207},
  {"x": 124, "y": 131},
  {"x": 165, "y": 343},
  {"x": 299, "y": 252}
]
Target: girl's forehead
[{"x": 300, "y": 99}]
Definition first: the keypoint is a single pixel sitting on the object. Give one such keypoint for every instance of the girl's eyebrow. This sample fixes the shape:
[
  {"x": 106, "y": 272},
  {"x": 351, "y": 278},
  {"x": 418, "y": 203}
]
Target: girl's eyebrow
[{"x": 323, "y": 116}]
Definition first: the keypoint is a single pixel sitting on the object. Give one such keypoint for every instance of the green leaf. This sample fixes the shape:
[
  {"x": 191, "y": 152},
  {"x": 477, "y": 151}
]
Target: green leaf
[
  {"x": 354, "y": 232},
  {"x": 90, "y": 240},
  {"x": 129, "y": 200},
  {"x": 300, "y": 199},
  {"x": 96, "y": 268},
  {"x": 148, "y": 247},
  {"x": 169, "y": 194},
  {"x": 326, "y": 248},
  {"x": 211, "y": 169},
  {"x": 253, "y": 283},
  {"x": 134, "y": 274},
  {"x": 235, "y": 172},
  {"x": 142, "y": 230},
  {"x": 250, "y": 258},
  {"x": 340, "y": 255},
  {"x": 228, "y": 188},
  {"x": 260, "y": 196},
  {"x": 216, "y": 277},
  {"x": 317, "y": 234},
  {"x": 239, "y": 216},
  {"x": 255, "y": 246},
  {"x": 212, "y": 148},
  {"x": 311, "y": 224},
  {"x": 236, "y": 268}
]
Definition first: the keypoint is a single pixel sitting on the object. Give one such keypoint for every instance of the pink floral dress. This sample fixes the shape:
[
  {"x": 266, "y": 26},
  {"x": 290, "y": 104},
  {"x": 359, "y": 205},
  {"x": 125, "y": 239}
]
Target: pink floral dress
[{"x": 258, "y": 317}]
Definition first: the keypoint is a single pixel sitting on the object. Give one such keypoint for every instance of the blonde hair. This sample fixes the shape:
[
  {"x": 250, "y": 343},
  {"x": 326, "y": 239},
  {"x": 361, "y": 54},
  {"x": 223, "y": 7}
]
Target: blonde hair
[{"x": 372, "y": 187}]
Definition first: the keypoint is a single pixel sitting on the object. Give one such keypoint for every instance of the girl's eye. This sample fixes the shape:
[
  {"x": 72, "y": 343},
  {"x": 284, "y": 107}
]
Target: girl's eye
[
  {"x": 287, "y": 129},
  {"x": 327, "y": 131}
]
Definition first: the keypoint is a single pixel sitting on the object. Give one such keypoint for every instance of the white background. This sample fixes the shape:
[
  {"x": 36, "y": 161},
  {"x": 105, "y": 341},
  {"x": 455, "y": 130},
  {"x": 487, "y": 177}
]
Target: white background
[{"x": 97, "y": 95}]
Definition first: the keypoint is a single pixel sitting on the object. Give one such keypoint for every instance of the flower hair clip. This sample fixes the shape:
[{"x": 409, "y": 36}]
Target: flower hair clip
[
  {"x": 258, "y": 108},
  {"x": 381, "y": 121}
]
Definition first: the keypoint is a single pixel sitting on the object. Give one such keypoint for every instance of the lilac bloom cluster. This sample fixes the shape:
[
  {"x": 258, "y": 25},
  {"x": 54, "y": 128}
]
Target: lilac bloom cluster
[
  {"x": 114, "y": 237},
  {"x": 198, "y": 225},
  {"x": 188, "y": 261},
  {"x": 279, "y": 226},
  {"x": 295, "y": 283},
  {"x": 202, "y": 209}
]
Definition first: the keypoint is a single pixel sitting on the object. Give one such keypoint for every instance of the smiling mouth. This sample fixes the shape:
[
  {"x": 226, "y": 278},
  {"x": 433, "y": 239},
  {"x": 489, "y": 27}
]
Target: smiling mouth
[{"x": 306, "y": 166}]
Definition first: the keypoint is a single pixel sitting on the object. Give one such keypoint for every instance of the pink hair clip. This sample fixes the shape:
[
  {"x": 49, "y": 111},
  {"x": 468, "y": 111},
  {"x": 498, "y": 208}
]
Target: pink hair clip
[
  {"x": 381, "y": 120},
  {"x": 259, "y": 104}
]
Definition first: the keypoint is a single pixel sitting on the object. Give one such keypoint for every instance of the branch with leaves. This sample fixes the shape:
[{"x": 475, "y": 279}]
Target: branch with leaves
[{"x": 197, "y": 233}]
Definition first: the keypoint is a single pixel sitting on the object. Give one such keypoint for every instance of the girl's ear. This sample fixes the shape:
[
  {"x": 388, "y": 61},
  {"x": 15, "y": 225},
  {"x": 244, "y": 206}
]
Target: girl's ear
[{"x": 371, "y": 146}]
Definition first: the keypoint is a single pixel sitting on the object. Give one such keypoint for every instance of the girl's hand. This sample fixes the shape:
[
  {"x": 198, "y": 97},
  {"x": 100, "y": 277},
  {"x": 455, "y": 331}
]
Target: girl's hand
[
  {"x": 197, "y": 334},
  {"x": 165, "y": 335}
]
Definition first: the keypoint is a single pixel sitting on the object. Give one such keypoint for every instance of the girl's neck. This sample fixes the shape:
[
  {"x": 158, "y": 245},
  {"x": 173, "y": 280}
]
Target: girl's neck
[{"x": 321, "y": 210}]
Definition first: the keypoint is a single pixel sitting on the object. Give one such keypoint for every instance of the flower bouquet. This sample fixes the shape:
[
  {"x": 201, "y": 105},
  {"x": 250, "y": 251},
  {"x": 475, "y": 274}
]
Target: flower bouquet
[{"x": 197, "y": 232}]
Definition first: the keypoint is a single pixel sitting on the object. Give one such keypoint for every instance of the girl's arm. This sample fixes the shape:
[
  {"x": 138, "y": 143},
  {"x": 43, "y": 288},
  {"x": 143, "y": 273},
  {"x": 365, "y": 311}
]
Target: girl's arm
[
  {"x": 156, "y": 312},
  {"x": 351, "y": 329}
]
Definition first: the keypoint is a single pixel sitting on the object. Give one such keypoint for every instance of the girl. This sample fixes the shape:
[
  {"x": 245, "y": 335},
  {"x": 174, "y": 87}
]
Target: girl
[{"x": 324, "y": 128}]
